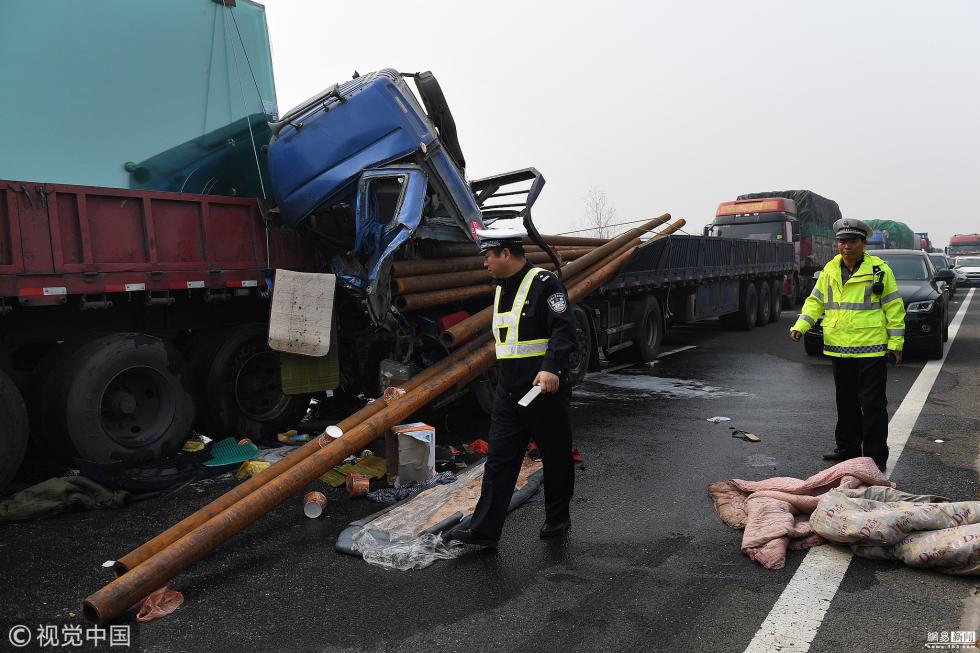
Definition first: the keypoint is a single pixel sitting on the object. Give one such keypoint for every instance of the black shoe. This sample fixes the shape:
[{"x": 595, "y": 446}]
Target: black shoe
[
  {"x": 554, "y": 530},
  {"x": 469, "y": 536},
  {"x": 838, "y": 455}
]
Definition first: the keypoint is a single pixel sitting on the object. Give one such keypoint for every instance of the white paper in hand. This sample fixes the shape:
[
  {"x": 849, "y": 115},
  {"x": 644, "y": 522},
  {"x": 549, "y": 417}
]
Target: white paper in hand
[{"x": 530, "y": 396}]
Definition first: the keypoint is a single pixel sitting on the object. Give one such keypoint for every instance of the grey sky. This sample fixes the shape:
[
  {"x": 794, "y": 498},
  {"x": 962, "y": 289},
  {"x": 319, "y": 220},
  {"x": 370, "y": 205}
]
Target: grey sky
[{"x": 678, "y": 106}]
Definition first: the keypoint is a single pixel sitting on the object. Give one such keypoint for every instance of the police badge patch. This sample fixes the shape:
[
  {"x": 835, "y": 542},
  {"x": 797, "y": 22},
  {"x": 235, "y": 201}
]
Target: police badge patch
[{"x": 557, "y": 302}]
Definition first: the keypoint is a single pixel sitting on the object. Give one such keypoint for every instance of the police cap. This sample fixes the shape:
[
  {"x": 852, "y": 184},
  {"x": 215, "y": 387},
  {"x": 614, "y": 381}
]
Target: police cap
[
  {"x": 849, "y": 228},
  {"x": 491, "y": 238}
]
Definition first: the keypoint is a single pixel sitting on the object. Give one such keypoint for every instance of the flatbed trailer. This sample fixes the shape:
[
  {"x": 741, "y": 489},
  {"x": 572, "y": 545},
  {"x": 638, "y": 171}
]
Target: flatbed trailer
[{"x": 682, "y": 279}]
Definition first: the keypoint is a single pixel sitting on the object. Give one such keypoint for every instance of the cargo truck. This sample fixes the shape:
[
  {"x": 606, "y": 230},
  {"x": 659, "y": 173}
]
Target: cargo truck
[
  {"x": 129, "y": 315},
  {"x": 800, "y": 217}
]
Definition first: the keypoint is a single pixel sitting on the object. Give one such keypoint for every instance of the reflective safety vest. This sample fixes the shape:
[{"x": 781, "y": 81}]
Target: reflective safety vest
[
  {"x": 857, "y": 321},
  {"x": 509, "y": 323}
]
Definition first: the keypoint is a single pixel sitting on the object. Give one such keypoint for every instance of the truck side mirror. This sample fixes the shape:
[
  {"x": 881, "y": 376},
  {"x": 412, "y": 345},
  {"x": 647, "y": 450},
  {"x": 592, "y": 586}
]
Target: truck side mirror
[
  {"x": 707, "y": 229},
  {"x": 945, "y": 275}
]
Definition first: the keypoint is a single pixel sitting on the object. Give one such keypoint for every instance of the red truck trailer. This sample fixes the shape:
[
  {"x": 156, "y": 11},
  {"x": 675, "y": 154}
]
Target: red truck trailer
[{"x": 124, "y": 312}]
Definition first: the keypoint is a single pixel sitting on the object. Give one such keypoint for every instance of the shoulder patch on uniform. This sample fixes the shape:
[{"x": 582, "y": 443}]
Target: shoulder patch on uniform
[{"x": 558, "y": 302}]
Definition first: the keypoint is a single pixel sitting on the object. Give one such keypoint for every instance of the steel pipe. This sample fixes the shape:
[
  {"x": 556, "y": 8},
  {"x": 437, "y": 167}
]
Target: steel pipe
[
  {"x": 118, "y": 596},
  {"x": 422, "y": 300},
  {"x": 240, "y": 491},
  {"x": 429, "y": 282},
  {"x": 458, "y": 250},
  {"x": 569, "y": 240},
  {"x": 466, "y": 329},
  {"x": 443, "y": 266}
]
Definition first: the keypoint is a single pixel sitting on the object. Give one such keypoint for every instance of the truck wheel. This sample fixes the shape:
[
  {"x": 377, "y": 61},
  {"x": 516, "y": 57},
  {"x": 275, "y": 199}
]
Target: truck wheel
[
  {"x": 578, "y": 361},
  {"x": 13, "y": 436},
  {"x": 776, "y": 300},
  {"x": 119, "y": 398},
  {"x": 748, "y": 309},
  {"x": 764, "y": 301},
  {"x": 648, "y": 332},
  {"x": 243, "y": 387}
]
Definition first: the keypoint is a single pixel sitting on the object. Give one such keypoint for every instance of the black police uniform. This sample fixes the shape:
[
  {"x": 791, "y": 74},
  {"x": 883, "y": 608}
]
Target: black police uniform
[{"x": 547, "y": 314}]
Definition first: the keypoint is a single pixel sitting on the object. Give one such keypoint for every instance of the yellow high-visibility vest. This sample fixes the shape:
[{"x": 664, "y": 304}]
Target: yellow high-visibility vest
[
  {"x": 510, "y": 346},
  {"x": 857, "y": 322}
]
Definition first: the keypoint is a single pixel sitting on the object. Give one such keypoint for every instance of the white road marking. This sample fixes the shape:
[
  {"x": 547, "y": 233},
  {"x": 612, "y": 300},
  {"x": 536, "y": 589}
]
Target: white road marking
[
  {"x": 675, "y": 351},
  {"x": 903, "y": 421},
  {"x": 794, "y": 620}
]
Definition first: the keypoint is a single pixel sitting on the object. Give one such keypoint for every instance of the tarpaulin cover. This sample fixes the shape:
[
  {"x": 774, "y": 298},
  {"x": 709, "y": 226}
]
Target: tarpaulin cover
[
  {"x": 897, "y": 234},
  {"x": 401, "y": 536},
  {"x": 816, "y": 214}
]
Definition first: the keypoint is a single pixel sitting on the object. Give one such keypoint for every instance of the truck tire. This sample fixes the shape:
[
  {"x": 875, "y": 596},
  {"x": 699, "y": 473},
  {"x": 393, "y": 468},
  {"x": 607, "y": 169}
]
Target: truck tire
[
  {"x": 13, "y": 436},
  {"x": 776, "y": 311},
  {"x": 748, "y": 308},
  {"x": 242, "y": 387},
  {"x": 764, "y": 300},
  {"x": 649, "y": 333},
  {"x": 119, "y": 398},
  {"x": 787, "y": 301},
  {"x": 578, "y": 361}
]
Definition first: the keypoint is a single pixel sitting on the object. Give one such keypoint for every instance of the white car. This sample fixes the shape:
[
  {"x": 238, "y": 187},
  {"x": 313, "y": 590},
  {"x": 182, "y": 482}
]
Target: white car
[{"x": 969, "y": 266}]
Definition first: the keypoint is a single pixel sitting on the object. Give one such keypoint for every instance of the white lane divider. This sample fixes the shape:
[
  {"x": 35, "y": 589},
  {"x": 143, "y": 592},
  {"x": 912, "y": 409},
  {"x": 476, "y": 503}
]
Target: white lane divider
[{"x": 794, "y": 620}]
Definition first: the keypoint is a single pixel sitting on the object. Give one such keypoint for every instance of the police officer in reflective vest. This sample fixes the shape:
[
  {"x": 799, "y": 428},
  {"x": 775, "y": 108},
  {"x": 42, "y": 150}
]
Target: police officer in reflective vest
[
  {"x": 863, "y": 323},
  {"x": 534, "y": 329}
]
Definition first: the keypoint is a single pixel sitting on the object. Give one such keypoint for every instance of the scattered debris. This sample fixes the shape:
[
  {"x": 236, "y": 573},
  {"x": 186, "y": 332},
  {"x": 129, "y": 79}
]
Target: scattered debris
[
  {"x": 313, "y": 504},
  {"x": 57, "y": 495},
  {"x": 358, "y": 485},
  {"x": 389, "y": 496},
  {"x": 938, "y": 441},
  {"x": 108, "y": 563},
  {"x": 718, "y": 419},
  {"x": 250, "y": 468},
  {"x": 744, "y": 435},
  {"x": 369, "y": 466},
  {"x": 159, "y": 604},
  {"x": 480, "y": 447},
  {"x": 229, "y": 454},
  {"x": 403, "y": 552},
  {"x": 293, "y": 436}
]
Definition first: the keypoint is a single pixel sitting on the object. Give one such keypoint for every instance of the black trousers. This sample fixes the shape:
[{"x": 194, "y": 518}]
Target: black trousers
[
  {"x": 862, "y": 418},
  {"x": 546, "y": 421}
]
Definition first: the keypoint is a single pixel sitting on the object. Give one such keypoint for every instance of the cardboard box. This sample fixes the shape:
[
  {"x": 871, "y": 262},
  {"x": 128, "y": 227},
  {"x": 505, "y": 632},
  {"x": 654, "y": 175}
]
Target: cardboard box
[{"x": 416, "y": 452}]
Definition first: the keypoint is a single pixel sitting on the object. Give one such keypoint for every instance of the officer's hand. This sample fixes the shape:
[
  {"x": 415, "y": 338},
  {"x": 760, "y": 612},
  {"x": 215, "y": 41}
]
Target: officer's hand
[
  {"x": 547, "y": 381},
  {"x": 795, "y": 335},
  {"x": 898, "y": 356}
]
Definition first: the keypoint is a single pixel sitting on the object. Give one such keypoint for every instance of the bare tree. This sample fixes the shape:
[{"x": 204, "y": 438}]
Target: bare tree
[{"x": 599, "y": 213}]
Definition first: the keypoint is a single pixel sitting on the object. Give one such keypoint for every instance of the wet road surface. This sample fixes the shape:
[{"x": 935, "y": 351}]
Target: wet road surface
[{"x": 648, "y": 564}]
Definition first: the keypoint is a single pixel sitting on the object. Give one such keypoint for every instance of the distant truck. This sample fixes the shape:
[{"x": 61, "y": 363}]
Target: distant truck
[
  {"x": 964, "y": 245},
  {"x": 891, "y": 234},
  {"x": 800, "y": 217}
]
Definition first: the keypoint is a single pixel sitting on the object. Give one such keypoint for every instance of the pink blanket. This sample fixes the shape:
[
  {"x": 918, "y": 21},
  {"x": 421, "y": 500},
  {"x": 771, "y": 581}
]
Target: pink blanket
[{"x": 775, "y": 513}]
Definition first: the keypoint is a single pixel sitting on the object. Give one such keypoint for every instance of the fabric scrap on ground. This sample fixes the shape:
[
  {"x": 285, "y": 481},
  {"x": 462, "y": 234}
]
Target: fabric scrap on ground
[
  {"x": 404, "y": 552},
  {"x": 921, "y": 531},
  {"x": 370, "y": 466},
  {"x": 388, "y": 496},
  {"x": 159, "y": 604},
  {"x": 775, "y": 513},
  {"x": 57, "y": 495}
]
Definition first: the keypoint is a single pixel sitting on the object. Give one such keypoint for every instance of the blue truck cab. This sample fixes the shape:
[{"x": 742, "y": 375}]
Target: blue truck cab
[{"x": 366, "y": 168}]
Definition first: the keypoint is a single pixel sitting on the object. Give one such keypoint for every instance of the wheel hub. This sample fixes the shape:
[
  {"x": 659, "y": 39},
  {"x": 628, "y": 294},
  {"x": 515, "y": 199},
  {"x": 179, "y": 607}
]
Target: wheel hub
[{"x": 136, "y": 407}]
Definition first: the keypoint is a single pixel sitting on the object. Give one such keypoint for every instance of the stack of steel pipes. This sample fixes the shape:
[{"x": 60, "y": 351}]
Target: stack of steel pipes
[
  {"x": 454, "y": 272},
  {"x": 153, "y": 564}
]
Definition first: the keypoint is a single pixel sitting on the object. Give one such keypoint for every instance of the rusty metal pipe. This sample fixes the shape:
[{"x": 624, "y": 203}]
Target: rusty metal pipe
[
  {"x": 443, "y": 266},
  {"x": 429, "y": 282},
  {"x": 240, "y": 491},
  {"x": 432, "y": 298},
  {"x": 118, "y": 596},
  {"x": 602, "y": 251},
  {"x": 466, "y": 329},
  {"x": 459, "y": 250},
  {"x": 569, "y": 240}
]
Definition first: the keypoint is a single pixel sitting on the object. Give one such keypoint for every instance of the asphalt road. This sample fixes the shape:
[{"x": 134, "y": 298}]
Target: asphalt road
[{"x": 648, "y": 564}]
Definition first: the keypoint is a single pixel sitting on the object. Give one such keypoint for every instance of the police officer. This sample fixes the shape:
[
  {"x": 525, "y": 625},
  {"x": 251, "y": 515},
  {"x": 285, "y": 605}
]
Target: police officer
[
  {"x": 863, "y": 323},
  {"x": 534, "y": 329}
]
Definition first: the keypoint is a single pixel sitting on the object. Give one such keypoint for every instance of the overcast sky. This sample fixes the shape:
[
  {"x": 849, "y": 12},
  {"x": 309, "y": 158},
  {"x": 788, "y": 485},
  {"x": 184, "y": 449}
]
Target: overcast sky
[{"x": 677, "y": 106}]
